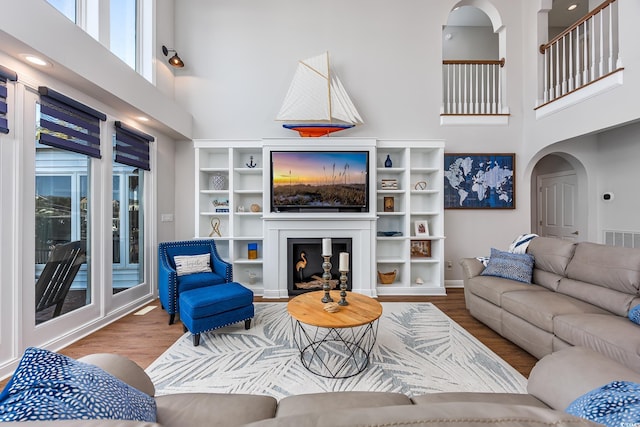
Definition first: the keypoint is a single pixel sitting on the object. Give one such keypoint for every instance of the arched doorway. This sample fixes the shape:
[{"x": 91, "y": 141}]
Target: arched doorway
[{"x": 557, "y": 184}]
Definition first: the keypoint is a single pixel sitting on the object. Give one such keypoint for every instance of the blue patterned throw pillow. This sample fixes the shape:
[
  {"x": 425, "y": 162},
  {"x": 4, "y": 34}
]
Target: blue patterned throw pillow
[
  {"x": 507, "y": 265},
  {"x": 51, "y": 386},
  {"x": 614, "y": 404},
  {"x": 634, "y": 314}
]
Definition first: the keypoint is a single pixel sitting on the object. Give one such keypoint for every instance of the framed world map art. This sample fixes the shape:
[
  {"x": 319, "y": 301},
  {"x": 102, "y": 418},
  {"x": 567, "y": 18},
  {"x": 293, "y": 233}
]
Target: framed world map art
[{"x": 479, "y": 181}]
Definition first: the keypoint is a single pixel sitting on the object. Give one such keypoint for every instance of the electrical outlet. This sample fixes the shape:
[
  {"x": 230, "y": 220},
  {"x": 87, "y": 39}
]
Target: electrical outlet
[{"x": 449, "y": 265}]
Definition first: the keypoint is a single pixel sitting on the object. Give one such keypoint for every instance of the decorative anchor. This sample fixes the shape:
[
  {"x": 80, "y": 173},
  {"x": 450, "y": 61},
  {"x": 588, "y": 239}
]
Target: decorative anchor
[{"x": 251, "y": 164}]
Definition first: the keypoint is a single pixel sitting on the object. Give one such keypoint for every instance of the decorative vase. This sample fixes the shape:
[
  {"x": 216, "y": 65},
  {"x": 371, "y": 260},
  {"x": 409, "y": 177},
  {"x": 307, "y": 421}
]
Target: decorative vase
[
  {"x": 388, "y": 163},
  {"x": 216, "y": 182}
]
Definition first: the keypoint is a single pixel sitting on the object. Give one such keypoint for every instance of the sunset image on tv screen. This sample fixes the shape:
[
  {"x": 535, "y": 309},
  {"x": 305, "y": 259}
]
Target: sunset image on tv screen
[{"x": 319, "y": 179}]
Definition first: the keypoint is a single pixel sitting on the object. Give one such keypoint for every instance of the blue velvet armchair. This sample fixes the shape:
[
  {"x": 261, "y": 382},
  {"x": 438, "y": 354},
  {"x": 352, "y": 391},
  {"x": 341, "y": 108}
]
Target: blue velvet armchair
[{"x": 170, "y": 284}]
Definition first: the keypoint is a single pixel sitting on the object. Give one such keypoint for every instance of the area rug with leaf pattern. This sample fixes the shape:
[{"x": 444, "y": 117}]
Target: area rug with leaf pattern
[{"x": 418, "y": 350}]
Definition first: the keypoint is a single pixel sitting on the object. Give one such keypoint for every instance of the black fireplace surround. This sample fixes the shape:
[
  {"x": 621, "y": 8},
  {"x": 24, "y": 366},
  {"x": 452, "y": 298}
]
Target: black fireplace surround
[{"x": 304, "y": 264}]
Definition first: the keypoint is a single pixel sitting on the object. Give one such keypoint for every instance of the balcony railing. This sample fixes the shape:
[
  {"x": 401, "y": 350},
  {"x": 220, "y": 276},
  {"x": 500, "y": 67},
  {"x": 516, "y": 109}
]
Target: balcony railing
[
  {"x": 585, "y": 52},
  {"x": 472, "y": 87}
]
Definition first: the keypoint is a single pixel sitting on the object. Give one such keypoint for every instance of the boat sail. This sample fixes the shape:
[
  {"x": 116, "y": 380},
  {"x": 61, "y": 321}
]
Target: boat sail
[{"x": 317, "y": 103}]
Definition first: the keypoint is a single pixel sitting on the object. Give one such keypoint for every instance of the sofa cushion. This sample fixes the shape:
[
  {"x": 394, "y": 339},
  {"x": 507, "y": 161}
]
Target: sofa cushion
[
  {"x": 471, "y": 414},
  {"x": 546, "y": 279},
  {"x": 199, "y": 280},
  {"x": 508, "y": 265},
  {"x": 611, "y": 300},
  {"x": 608, "y": 266},
  {"x": 539, "y": 308},
  {"x": 613, "y": 336},
  {"x": 614, "y": 404},
  {"x": 213, "y": 409},
  {"x": 551, "y": 254},
  {"x": 492, "y": 288},
  {"x": 186, "y": 247},
  {"x": 634, "y": 314},
  {"x": 478, "y": 397},
  {"x": 580, "y": 370},
  {"x": 189, "y": 264},
  {"x": 319, "y": 402},
  {"x": 51, "y": 386}
]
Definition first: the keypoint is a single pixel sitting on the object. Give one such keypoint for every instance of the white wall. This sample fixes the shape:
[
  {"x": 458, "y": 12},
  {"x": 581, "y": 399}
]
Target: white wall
[
  {"x": 469, "y": 43},
  {"x": 241, "y": 57},
  {"x": 619, "y": 172}
]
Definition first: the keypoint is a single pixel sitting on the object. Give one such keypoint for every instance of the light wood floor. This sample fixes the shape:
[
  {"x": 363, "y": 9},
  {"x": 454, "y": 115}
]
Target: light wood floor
[{"x": 143, "y": 338}]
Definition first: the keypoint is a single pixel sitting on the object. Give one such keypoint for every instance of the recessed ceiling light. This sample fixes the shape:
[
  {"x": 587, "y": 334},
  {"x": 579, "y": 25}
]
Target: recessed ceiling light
[
  {"x": 35, "y": 60},
  {"x": 572, "y": 6},
  {"x": 143, "y": 119}
]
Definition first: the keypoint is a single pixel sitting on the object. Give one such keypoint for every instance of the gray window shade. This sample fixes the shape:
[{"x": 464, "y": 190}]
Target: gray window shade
[
  {"x": 5, "y": 75},
  {"x": 68, "y": 124},
  {"x": 132, "y": 146}
]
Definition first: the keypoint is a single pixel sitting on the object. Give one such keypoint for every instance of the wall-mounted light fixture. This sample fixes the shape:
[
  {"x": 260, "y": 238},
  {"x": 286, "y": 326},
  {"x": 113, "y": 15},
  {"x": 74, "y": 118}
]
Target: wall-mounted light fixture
[
  {"x": 175, "y": 60},
  {"x": 572, "y": 6}
]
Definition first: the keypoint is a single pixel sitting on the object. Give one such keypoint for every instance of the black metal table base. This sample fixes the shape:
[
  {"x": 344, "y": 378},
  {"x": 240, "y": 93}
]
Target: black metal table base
[{"x": 335, "y": 352}]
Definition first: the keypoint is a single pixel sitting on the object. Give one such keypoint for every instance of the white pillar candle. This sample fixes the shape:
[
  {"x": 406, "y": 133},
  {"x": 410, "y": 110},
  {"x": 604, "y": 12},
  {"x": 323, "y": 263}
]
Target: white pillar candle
[
  {"x": 344, "y": 261},
  {"x": 326, "y": 247}
]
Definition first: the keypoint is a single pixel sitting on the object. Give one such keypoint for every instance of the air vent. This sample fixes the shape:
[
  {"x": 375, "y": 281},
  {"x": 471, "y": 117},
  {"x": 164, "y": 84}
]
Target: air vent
[{"x": 625, "y": 239}]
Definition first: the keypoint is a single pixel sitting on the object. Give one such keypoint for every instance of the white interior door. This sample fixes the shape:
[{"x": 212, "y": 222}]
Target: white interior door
[{"x": 558, "y": 205}]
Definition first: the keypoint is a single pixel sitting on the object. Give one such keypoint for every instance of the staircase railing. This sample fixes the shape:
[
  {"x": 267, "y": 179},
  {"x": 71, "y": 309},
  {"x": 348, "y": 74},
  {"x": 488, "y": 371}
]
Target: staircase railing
[
  {"x": 472, "y": 87},
  {"x": 582, "y": 54}
]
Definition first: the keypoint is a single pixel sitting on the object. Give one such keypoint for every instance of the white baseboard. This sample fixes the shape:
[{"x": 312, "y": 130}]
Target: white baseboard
[{"x": 454, "y": 284}]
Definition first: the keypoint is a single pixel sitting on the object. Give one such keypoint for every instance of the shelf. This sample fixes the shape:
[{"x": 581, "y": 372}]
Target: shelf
[
  {"x": 424, "y": 170},
  {"x": 425, "y": 213},
  {"x": 209, "y": 213},
  {"x": 248, "y": 261},
  {"x": 257, "y": 192},
  {"x": 221, "y": 192},
  {"x": 391, "y": 260},
  {"x": 248, "y": 171},
  {"x": 385, "y": 191},
  {"x": 391, "y": 170},
  {"x": 209, "y": 170}
]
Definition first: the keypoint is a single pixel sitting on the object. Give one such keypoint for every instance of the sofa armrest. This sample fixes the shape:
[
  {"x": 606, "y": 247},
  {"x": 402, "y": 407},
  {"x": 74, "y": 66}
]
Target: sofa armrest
[
  {"x": 124, "y": 369},
  {"x": 560, "y": 377},
  {"x": 167, "y": 284},
  {"x": 223, "y": 268},
  {"x": 471, "y": 267}
]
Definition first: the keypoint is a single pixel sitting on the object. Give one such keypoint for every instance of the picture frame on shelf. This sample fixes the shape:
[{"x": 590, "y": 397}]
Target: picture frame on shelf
[
  {"x": 421, "y": 248},
  {"x": 421, "y": 228},
  {"x": 389, "y": 204},
  {"x": 479, "y": 180}
]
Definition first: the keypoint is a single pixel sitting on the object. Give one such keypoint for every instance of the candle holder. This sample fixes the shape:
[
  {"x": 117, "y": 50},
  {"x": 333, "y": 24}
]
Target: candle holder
[
  {"x": 326, "y": 276},
  {"x": 343, "y": 288}
]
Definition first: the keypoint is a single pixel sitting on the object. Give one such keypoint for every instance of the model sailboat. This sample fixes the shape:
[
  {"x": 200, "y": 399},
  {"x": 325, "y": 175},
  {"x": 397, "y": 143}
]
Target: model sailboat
[{"x": 317, "y": 103}]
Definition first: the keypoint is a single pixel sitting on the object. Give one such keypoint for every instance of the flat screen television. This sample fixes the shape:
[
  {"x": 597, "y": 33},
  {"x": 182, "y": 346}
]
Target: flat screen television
[{"x": 319, "y": 181}]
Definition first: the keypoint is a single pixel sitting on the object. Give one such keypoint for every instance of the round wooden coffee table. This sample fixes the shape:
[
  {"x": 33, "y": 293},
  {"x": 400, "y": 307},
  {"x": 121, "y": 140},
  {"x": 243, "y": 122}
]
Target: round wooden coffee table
[{"x": 334, "y": 345}]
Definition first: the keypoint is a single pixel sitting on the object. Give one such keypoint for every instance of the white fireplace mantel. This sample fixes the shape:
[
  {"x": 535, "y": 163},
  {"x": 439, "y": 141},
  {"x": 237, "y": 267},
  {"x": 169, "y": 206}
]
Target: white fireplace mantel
[{"x": 361, "y": 231}]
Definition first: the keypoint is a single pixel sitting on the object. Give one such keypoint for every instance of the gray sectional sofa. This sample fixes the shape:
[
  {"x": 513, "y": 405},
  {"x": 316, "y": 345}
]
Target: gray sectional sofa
[
  {"x": 554, "y": 383},
  {"x": 580, "y": 295}
]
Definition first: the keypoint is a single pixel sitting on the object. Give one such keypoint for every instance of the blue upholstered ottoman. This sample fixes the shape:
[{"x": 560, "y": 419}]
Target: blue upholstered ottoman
[{"x": 215, "y": 306}]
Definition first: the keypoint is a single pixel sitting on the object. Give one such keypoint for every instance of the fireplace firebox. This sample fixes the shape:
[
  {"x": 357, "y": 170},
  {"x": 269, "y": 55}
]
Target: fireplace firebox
[{"x": 304, "y": 264}]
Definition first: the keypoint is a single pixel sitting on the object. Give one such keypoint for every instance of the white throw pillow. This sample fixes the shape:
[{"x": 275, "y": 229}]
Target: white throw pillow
[{"x": 189, "y": 264}]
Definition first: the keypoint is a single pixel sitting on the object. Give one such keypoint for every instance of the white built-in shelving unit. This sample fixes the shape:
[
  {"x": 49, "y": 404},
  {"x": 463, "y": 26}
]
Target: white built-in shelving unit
[
  {"x": 242, "y": 190},
  {"x": 413, "y": 162}
]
